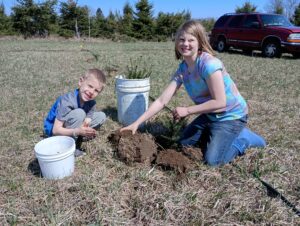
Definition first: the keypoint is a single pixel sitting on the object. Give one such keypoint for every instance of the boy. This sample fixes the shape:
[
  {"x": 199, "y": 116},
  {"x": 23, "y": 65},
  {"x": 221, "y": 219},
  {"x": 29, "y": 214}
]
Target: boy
[{"x": 73, "y": 114}]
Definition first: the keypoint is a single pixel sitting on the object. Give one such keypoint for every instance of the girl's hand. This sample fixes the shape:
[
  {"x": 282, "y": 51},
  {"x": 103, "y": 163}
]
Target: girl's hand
[
  {"x": 180, "y": 112},
  {"x": 133, "y": 127}
]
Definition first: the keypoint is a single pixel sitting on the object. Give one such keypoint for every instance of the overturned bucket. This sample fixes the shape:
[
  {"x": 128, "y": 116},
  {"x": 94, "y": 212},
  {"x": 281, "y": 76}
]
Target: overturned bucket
[
  {"x": 132, "y": 97},
  {"x": 56, "y": 156}
]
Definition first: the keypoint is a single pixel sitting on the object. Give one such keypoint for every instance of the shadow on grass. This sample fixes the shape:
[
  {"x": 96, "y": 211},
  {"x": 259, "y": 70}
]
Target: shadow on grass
[
  {"x": 112, "y": 112},
  {"x": 34, "y": 168},
  {"x": 257, "y": 54}
]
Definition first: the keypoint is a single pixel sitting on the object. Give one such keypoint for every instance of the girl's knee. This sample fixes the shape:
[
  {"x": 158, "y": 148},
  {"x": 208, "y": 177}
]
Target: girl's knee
[{"x": 212, "y": 161}]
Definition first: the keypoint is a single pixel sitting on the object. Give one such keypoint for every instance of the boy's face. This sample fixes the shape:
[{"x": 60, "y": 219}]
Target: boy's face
[{"x": 89, "y": 88}]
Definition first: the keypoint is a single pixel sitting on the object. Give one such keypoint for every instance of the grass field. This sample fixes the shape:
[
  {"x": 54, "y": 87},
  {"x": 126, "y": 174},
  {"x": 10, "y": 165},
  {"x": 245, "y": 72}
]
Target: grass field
[{"x": 105, "y": 191}]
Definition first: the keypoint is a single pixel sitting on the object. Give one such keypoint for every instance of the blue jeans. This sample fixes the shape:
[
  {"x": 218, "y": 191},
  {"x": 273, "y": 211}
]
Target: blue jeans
[{"x": 218, "y": 140}]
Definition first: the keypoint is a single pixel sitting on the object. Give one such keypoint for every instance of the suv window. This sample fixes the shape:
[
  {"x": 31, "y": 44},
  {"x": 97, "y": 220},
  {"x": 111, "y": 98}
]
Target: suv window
[
  {"x": 275, "y": 20},
  {"x": 250, "y": 20},
  {"x": 235, "y": 21},
  {"x": 221, "y": 21}
]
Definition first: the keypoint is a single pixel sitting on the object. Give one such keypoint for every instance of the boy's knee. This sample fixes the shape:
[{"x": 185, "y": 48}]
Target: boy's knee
[
  {"x": 98, "y": 119},
  {"x": 79, "y": 114},
  {"x": 75, "y": 118}
]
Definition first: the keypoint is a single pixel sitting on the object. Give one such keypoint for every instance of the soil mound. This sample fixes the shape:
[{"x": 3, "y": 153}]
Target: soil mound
[
  {"x": 140, "y": 147},
  {"x": 193, "y": 153},
  {"x": 174, "y": 160}
]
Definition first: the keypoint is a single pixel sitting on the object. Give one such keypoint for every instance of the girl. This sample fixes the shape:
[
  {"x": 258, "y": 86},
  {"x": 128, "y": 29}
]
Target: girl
[{"x": 222, "y": 110}]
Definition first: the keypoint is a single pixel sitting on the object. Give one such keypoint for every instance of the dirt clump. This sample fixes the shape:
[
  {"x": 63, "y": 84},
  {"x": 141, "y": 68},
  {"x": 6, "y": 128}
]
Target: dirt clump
[
  {"x": 174, "y": 160},
  {"x": 193, "y": 153},
  {"x": 142, "y": 148},
  {"x": 130, "y": 148}
]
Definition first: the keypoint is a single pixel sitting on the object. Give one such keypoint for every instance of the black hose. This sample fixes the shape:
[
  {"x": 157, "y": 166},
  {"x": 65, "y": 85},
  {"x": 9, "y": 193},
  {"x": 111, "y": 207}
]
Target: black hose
[{"x": 272, "y": 192}]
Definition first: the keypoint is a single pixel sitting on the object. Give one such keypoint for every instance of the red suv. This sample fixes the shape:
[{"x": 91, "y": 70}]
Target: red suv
[{"x": 273, "y": 34}]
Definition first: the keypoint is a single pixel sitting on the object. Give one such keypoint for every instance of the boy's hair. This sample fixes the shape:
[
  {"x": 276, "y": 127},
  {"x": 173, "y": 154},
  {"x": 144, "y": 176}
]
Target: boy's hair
[
  {"x": 98, "y": 74},
  {"x": 195, "y": 28}
]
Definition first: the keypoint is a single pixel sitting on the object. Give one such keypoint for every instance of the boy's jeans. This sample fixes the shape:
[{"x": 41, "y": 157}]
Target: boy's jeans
[{"x": 219, "y": 149}]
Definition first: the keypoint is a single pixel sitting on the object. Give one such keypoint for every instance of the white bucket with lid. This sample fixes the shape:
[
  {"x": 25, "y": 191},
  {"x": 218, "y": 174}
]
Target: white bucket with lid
[{"x": 56, "y": 156}]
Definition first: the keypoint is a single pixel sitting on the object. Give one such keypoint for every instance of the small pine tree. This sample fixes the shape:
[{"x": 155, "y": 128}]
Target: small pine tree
[
  {"x": 127, "y": 20},
  {"x": 5, "y": 25},
  {"x": 32, "y": 19},
  {"x": 168, "y": 23},
  {"x": 276, "y": 6},
  {"x": 246, "y": 8},
  {"x": 143, "y": 22},
  {"x": 74, "y": 20}
]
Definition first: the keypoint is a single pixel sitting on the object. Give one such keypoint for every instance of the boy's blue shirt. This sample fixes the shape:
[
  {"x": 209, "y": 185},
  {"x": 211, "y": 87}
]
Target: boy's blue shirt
[{"x": 62, "y": 107}]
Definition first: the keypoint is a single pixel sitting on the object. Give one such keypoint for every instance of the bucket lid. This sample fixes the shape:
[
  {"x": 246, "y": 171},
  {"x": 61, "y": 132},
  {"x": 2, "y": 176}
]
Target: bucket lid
[{"x": 53, "y": 146}]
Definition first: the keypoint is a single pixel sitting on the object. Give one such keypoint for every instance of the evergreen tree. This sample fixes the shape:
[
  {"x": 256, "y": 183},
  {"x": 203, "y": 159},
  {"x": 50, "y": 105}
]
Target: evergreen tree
[
  {"x": 168, "y": 23},
  {"x": 98, "y": 24},
  {"x": 32, "y": 19},
  {"x": 276, "y": 6},
  {"x": 111, "y": 25},
  {"x": 297, "y": 16},
  {"x": 143, "y": 25},
  {"x": 208, "y": 23},
  {"x": 5, "y": 24},
  {"x": 46, "y": 17},
  {"x": 127, "y": 20},
  {"x": 74, "y": 20},
  {"x": 246, "y": 8},
  {"x": 23, "y": 17}
]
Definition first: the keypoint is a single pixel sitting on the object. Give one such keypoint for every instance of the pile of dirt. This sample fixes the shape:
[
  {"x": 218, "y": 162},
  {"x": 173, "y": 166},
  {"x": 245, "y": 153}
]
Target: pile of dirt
[
  {"x": 142, "y": 148},
  {"x": 171, "y": 159},
  {"x": 134, "y": 148}
]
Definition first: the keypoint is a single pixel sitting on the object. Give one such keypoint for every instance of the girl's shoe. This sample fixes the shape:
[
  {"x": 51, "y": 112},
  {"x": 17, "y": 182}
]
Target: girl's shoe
[{"x": 248, "y": 139}]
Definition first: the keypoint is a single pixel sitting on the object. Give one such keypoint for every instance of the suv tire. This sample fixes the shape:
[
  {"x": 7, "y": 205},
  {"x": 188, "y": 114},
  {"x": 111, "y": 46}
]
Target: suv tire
[
  {"x": 221, "y": 45},
  {"x": 271, "y": 49}
]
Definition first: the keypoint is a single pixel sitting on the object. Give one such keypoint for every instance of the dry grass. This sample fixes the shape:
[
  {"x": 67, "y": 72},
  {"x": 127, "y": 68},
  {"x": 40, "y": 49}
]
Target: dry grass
[{"x": 105, "y": 191}]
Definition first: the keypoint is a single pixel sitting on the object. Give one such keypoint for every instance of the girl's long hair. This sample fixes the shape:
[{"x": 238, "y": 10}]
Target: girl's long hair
[{"x": 195, "y": 28}]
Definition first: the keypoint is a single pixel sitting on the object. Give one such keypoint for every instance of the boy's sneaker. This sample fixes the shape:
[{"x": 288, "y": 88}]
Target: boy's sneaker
[{"x": 79, "y": 153}]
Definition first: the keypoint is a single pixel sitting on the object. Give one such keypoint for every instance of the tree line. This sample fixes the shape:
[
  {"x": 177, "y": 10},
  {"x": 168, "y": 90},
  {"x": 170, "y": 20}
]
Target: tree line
[{"x": 68, "y": 19}]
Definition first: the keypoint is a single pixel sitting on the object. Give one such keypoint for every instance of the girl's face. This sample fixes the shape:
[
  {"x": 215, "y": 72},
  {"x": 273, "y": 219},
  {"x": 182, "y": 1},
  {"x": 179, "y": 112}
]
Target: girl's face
[{"x": 188, "y": 46}]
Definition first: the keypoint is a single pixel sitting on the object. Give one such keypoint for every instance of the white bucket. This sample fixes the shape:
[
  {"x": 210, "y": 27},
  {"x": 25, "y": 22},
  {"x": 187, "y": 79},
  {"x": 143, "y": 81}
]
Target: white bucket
[
  {"x": 132, "y": 97},
  {"x": 56, "y": 156}
]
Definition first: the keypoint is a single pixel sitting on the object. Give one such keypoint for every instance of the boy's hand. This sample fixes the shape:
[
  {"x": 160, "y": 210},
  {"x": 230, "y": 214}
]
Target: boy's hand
[
  {"x": 86, "y": 122},
  {"x": 87, "y": 132}
]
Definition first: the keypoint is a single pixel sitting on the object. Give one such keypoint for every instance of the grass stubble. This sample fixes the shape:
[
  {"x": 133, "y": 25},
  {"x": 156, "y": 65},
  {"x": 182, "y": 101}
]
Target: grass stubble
[{"x": 105, "y": 191}]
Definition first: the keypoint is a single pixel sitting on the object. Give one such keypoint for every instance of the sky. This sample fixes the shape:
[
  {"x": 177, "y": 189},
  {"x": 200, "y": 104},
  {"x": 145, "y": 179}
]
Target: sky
[{"x": 199, "y": 8}]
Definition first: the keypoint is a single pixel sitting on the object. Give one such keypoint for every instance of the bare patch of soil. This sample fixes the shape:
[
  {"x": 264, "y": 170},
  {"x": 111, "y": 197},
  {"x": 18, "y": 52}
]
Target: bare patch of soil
[
  {"x": 134, "y": 148},
  {"x": 142, "y": 148},
  {"x": 174, "y": 160},
  {"x": 193, "y": 153}
]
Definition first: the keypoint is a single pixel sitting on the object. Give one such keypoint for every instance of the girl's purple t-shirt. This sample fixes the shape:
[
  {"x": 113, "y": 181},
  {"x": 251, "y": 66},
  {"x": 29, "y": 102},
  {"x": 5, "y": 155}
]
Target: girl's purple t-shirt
[{"x": 196, "y": 86}]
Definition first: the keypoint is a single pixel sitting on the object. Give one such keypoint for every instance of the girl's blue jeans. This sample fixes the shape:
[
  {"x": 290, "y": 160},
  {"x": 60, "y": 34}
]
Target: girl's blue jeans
[{"x": 220, "y": 147}]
